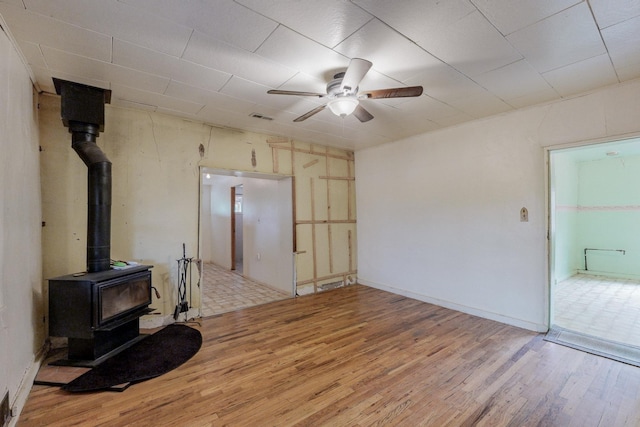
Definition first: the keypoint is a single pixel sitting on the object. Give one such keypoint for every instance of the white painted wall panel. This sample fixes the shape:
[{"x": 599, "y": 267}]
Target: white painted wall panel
[{"x": 438, "y": 213}]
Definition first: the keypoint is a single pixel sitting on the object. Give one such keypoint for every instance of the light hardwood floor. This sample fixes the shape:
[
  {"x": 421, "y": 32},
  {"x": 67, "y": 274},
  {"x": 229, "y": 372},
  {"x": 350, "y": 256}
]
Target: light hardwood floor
[{"x": 361, "y": 356}]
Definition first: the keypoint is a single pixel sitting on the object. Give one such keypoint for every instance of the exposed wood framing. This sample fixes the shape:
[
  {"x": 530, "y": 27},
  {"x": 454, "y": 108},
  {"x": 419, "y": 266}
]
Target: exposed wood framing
[
  {"x": 326, "y": 252},
  {"x": 326, "y": 221},
  {"x": 337, "y": 178},
  {"x": 328, "y": 172},
  {"x": 329, "y": 277},
  {"x": 311, "y": 163},
  {"x": 313, "y": 238}
]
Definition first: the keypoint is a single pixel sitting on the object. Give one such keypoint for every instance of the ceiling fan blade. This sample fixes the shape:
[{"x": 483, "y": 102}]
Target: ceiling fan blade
[
  {"x": 399, "y": 92},
  {"x": 355, "y": 72},
  {"x": 294, "y": 92},
  {"x": 362, "y": 114},
  {"x": 308, "y": 114}
]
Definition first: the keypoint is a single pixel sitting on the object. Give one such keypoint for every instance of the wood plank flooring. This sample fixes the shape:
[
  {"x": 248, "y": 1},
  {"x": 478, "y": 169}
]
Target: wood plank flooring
[{"x": 358, "y": 356}]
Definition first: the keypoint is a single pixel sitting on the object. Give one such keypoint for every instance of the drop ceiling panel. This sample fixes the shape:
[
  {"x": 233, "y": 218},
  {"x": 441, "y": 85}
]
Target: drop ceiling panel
[
  {"x": 418, "y": 19},
  {"x": 224, "y": 20},
  {"x": 249, "y": 91},
  {"x": 509, "y": 15},
  {"x": 623, "y": 42},
  {"x": 127, "y": 93},
  {"x": 116, "y": 19},
  {"x": 327, "y": 22},
  {"x": 153, "y": 62},
  {"x": 610, "y": 12},
  {"x": 299, "y": 53},
  {"x": 472, "y": 45},
  {"x": 45, "y": 76},
  {"x": 562, "y": 39},
  {"x": 533, "y": 98},
  {"x": 212, "y": 53},
  {"x": 594, "y": 72},
  {"x": 481, "y": 104},
  {"x": 391, "y": 54},
  {"x": 513, "y": 81},
  {"x": 82, "y": 66},
  {"x": 209, "y": 98},
  {"x": 33, "y": 54},
  {"x": 40, "y": 29},
  {"x": 445, "y": 83}
]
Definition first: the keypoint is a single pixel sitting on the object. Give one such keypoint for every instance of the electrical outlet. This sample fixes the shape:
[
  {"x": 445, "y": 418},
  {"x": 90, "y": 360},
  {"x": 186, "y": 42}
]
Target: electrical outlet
[{"x": 524, "y": 215}]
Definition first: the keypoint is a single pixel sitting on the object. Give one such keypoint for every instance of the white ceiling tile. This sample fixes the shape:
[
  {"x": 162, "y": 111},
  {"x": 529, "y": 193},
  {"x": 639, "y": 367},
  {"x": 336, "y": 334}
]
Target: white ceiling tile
[
  {"x": 623, "y": 42},
  {"x": 582, "y": 76},
  {"x": 511, "y": 15},
  {"x": 305, "y": 83},
  {"x": 445, "y": 83},
  {"x": 64, "y": 62},
  {"x": 32, "y": 53},
  {"x": 253, "y": 92},
  {"x": 328, "y": 22},
  {"x": 225, "y": 20},
  {"x": 43, "y": 79},
  {"x": 431, "y": 108},
  {"x": 481, "y": 104},
  {"x": 127, "y": 93},
  {"x": 302, "y": 54},
  {"x": 212, "y": 53},
  {"x": 560, "y": 40},
  {"x": 39, "y": 29},
  {"x": 391, "y": 53},
  {"x": 471, "y": 45},
  {"x": 116, "y": 19},
  {"x": 453, "y": 120},
  {"x": 513, "y": 81},
  {"x": 628, "y": 73},
  {"x": 202, "y": 96},
  {"x": 533, "y": 98},
  {"x": 133, "y": 105},
  {"x": 453, "y": 31},
  {"x": 13, "y": 2},
  {"x": 153, "y": 62},
  {"x": 48, "y": 83},
  {"x": 417, "y": 19},
  {"x": 610, "y": 12}
]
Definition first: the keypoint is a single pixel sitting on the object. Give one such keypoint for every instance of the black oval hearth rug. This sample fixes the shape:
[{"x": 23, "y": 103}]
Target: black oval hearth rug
[{"x": 151, "y": 357}]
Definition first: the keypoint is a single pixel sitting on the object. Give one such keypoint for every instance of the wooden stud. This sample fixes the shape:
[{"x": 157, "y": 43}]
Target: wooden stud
[
  {"x": 313, "y": 236},
  {"x": 311, "y": 163}
]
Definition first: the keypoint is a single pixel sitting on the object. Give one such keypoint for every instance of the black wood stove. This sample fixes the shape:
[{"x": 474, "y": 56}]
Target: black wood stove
[{"x": 97, "y": 310}]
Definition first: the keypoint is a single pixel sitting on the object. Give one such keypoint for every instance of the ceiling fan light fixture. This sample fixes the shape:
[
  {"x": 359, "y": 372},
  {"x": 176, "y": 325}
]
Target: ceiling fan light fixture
[{"x": 342, "y": 106}]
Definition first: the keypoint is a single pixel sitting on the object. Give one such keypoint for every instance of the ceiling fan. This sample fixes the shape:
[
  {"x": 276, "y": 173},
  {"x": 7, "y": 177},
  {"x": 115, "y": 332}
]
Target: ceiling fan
[{"x": 343, "y": 96}]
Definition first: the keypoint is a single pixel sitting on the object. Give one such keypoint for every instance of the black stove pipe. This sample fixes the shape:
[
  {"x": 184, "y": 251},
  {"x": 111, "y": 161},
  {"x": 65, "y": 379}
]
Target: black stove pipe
[
  {"x": 83, "y": 141},
  {"x": 82, "y": 109}
]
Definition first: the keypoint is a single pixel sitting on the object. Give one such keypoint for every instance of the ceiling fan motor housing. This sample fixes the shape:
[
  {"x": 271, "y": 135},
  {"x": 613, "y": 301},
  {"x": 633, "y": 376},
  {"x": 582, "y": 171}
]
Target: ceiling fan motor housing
[{"x": 333, "y": 87}]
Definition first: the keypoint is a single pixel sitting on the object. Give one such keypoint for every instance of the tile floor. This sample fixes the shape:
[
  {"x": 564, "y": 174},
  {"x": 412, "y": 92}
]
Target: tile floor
[
  {"x": 224, "y": 290},
  {"x": 603, "y": 307}
]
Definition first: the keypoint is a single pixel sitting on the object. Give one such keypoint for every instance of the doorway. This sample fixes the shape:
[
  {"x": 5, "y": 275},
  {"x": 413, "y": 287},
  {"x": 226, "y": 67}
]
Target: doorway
[
  {"x": 594, "y": 250},
  {"x": 245, "y": 238},
  {"x": 237, "y": 247}
]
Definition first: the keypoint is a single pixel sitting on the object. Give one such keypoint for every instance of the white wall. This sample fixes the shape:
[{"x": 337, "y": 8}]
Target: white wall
[
  {"x": 22, "y": 332},
  {"x": 564, "y": 227},
  {"x": 609, "y": 215},
  {"x": 438, "y": 214}
]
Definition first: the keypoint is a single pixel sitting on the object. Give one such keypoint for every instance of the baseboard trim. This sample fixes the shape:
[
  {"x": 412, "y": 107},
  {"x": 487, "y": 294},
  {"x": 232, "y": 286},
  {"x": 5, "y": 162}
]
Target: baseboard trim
[
  {"x": 520, "y": 323},
  {"x": 25, "y": 386}
]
